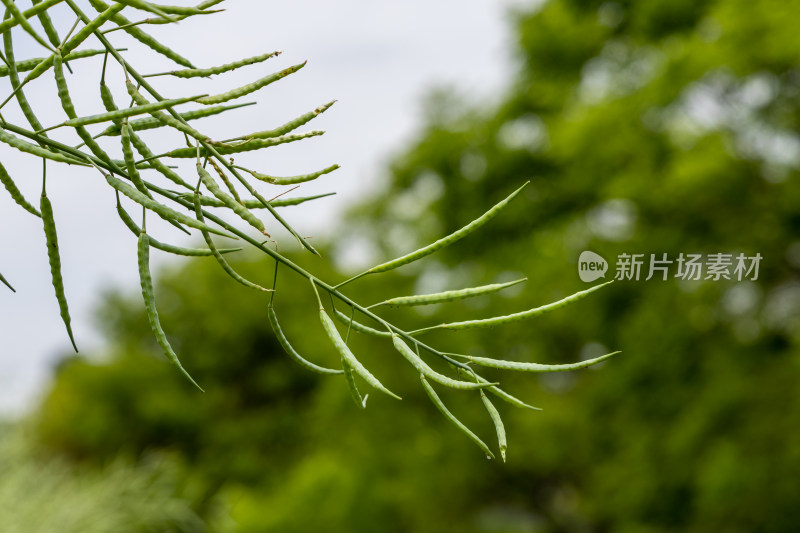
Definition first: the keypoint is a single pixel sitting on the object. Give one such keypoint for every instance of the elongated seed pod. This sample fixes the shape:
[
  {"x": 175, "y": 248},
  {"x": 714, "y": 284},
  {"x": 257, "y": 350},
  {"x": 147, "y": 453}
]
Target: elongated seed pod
[
  {"x": 147, "y": 6},
  {"x": 292, "y": 180},
  {"x": 448, "y": 296},
  {"x": 29, "y": 64},
  {"x": 181, "y": 12},
  {"x": 246, "y": 146},
  {"x": 25, "y": 146},
  {"x": 229, "y": 202},
  {"x": 289, "y": 126},
  {"x": 12, "y": 8},
  {"x": 203, "y": 72},
  {"x": 498, "y": 425},
  {"x": 187, "y": 11},
  {"x": 169, "y": 248},
  {"x": 69, "y": 109},
  {"x": 47, "y": 24},
  {"x": 256, "y": 204},
  {"x": 161, "y": 210},
  {"x": 450, "y": 239},
  {"x": 289, "y": 349},
  {"x": 358, "y": 326},
  {"x": 146, "y": 153},
  {"x": 250, "y": 87},
  {"x": 152, "y": 122},
  {"x": 446, "y": 412},
  {"x": 74, "y": 41},
  {"x": 497, "y": 391},
  {"x": 218, "y": 256},
  {"x": 428, "y": 372},
  {"x": 536, "y": 367},
  {"x": 15, "y": 193},
  {"x": 54, "y": 258},
  {"x": 28, "y": 13},
  {"x": 130, "y": 164},
  {"x": 227, "y": 181},
  {"x": 350, "y": 379},
  {"x": 121, "y": 114},
  {"x": 108, "y": 102},
  {"x": 141, "y": 36},
  {"x": 516, "y": 317},
  {"x": 164, "y": 118},
  {"x": 150, "y": 306},
  {"x": 22, "y": 100},
  {"x": 347, "y": 355},
  {"x": 6, "y": 283}
]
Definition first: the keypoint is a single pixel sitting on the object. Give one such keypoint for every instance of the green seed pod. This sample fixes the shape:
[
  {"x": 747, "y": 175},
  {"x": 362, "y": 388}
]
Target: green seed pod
[
  {"x": 130, "y": 164},
  {"x": 256, "y": 204},
  {"x": 5, "y": 282},
  {"x": 152, "y": 122},
  {"x": 218, "y": 256},
  {"x": 47, "y": 24},
  {"x": 28, "y": 13},
  {"x": 289, "y": 349},
  {"x": 448, "y": 296},
  {"x": 163, "y": 211},
  {"x": 22, "y": 100},
  {"x": 203, "y": 72},
  {"x": 108, "y": 102},
  {"x": 164, "y": 118},
  {"x": 69, "y": 109},
  {"x": 15, "y": 193},
  {"x": 446, "y": 412},
  {"x": 498, "y": 425},
  {"x": 351, "y": 384},
  {"x": 227, "y": 181},
  {"x": 358, "y": 326},
  {"x": 75, "y": 41},
  {"x": 229, "y": 202},
  {"x": 169, "y": 248},
  {"x": 146, "y": 153},
  {"x": 147, "y": 6},
  {"x": 497, "y": 391},
  {"x": 38, "y": 151},
  {"x": 348, "y": 357},
  {"x": 516, "y": 317},
  {"x": 30, "y": 64},
  {"x": 14, "y": 11},
  {"x": 291, "y": 180},
  {"x": 289, "y": 126},
  {"x": 450, "y": 239},
  {"x": 431, "y": 374},
  {"x": 536, "y": 367},
  {"x": 246, "y": 146},
  {"x": 150, "y": 307},
  {"x": 250, "y": 87},
  {"x": 122, "y": 114},
  {"x": 187, "y": 11},
  {"x": 184, "y": 12},
  {"x": 141, "y": 36},
  {"x": 55, "y": 262}
]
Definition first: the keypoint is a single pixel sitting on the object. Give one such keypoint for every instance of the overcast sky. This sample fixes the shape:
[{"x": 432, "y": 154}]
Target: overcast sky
[{"x": 378, "y": 59}]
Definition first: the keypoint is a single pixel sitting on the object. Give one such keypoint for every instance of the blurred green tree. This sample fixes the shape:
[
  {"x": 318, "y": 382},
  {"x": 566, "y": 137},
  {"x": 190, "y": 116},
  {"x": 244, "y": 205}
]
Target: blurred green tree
[{"x": 646, "y": 127}]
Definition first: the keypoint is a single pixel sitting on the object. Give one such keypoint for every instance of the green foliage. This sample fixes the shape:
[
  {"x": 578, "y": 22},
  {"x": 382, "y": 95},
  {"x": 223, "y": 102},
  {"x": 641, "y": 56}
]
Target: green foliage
[{"x": 50, "y": 494}]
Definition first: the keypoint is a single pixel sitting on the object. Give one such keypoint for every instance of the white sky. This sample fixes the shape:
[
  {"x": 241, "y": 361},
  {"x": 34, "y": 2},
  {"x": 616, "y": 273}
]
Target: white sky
[{"x": 376, "y": 58}]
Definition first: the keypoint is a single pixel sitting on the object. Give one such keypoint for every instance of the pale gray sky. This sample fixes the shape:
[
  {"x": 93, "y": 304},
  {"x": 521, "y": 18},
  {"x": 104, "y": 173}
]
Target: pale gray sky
[{"x": 376, "y": 58}]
